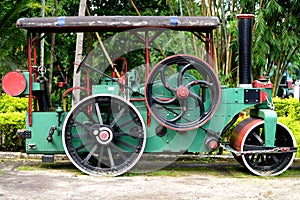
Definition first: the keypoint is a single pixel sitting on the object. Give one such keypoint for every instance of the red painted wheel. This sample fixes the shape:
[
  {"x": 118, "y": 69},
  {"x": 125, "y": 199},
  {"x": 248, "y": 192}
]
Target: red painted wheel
[
  {"x": 182, "y": 92},
  {"x": 249, "y": 134},
  {"x": 14, "y": 83}
]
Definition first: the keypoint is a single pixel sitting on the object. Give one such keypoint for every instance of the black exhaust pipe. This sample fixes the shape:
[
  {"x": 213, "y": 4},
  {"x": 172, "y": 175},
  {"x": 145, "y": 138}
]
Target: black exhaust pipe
[{"x": 245, "y": 49}]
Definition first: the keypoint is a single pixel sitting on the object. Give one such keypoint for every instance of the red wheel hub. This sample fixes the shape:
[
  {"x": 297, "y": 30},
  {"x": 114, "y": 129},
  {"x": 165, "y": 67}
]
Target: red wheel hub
[
  {"x": 104, "y": 135},
  {"x": 183, "y": 92}
]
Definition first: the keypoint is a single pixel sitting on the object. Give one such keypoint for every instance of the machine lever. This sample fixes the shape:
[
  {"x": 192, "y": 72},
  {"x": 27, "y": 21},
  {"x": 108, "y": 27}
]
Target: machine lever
[{"x": 51, "y": 132}]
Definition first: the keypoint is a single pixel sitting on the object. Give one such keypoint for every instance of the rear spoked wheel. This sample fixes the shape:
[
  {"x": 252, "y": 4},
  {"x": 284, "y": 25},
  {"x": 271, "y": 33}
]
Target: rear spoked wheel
[{"x": 104, "y": 135}]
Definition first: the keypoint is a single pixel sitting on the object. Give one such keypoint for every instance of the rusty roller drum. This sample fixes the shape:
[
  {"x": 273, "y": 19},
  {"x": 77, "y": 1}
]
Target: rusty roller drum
[{"x": 251, "y": 132}]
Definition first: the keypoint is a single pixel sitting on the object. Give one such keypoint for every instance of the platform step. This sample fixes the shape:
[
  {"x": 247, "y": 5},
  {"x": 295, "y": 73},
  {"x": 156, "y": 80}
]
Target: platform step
[{"x": 47, "y": 158}]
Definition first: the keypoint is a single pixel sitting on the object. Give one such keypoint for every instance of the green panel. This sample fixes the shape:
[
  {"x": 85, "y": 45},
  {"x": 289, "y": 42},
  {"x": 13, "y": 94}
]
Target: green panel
[
  {"x": 35, "y": 86},
  {"x": 231, "y": 103},
  {"x": 173, "y": 141},
  {"x": 110, "y": 88},
  {"x": 270, "y": 119},
  {"x": 41, "y": 124}
]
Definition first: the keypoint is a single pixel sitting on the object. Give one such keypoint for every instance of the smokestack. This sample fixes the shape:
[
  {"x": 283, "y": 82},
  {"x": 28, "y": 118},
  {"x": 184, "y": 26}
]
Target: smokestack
[{"x": 245, "y": 49}]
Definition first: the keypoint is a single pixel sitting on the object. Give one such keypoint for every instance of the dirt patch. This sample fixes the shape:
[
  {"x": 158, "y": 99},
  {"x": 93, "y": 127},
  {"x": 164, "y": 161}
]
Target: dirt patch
[{"x": 184, "y": 179}]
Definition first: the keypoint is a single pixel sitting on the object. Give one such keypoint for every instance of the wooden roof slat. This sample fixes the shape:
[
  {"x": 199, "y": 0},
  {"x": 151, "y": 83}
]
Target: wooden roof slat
[{"x": 116, "y": 23}]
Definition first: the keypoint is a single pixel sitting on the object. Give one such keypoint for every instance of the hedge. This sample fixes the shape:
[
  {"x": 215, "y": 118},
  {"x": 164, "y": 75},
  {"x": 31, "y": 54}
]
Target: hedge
[
  {"x": 287, "y": 107},
  {"x": 12, "y": 117},
  {"x": 288, "y": 111}
]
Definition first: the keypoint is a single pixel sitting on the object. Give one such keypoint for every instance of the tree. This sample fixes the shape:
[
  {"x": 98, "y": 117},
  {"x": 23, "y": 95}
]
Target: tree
[
  {"x": 277, "y": 39},
  {"x": 12, "y": 40},
  {"x": 78, "y": 54}
]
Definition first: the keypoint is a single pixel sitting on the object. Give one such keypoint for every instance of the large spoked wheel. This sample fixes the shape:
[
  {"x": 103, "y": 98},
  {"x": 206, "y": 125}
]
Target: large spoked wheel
[
  {"x": 264, "y": 164},
  {"x": 182, "y": 92},
  {"x": 104, "y": 135}
]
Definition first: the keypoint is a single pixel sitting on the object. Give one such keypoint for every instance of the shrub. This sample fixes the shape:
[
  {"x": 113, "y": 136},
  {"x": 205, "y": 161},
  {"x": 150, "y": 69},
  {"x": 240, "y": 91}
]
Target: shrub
[
  {"x": 288, "y": 111},
  {"x": 284, "y": 107},
  {"x": 12, "y": 117}
]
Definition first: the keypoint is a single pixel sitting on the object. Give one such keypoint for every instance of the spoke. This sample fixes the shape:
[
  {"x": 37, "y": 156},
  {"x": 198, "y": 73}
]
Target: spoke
[
  {"x": 171, "y": 101},
  {"x": 84, "y": 145},
  {"x": 91, "y": 153},
  {"x": 112, "y": 163},
  {"x": 172, "y": 111},
  {"x": 183, "y": 111},
  {"x": 262, "y": 158},
  {"x": 126, "y": 123},
  {"x": 163, "y": 80},
  {"x": 258, "y": 138},
  {"x": 100, "y": 155},
  {"x": 180, "y": 74},
  {"x": 131, "y": 134},
  {"x": 276, "y": 160},
  {"x": 125, "y": 143},
  {"x": 82, "y": 125},
  {"x": 84, "y": 111},
  {"x": 258, "y": 156},
  {"x": 108, "y": 115},
  {"x": 113, "y": 123},
  {"x": 99, "y": 114},
  {"x": 199, "y": 82},
  {"x": 199, "y": 100},
  {"x": 80, "y": 136},
  {"x": 124, "y": 157}
]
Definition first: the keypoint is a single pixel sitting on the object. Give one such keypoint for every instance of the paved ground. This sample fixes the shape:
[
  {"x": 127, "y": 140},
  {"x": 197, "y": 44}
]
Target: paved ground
[{"x": 217, "y": 179}]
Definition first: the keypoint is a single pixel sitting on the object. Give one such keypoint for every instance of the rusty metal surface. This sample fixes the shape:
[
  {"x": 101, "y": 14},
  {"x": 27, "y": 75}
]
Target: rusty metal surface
[{"x": 116, "y": 23}]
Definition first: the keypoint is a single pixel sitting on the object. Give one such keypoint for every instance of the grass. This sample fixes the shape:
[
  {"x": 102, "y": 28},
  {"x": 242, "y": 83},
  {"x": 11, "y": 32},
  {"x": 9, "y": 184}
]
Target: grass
[
  {"x": 185, "y": 166},
  {"x": 26, "y": 168}
]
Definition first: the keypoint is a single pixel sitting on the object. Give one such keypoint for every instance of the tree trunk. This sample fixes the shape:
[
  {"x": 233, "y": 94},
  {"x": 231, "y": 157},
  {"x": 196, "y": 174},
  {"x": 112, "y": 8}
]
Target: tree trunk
[
  {"x": 52, "y": 51},
  {"x": 78, "y": 55}
]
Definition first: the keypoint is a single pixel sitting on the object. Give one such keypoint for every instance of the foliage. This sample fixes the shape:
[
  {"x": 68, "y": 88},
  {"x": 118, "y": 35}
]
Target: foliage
[
  {"x": 12, "y": 40},
  {"x": 275, "y": 34},
  {"x": 276, "y": 41},
  {"x": 287, "y": 108},
  {"x": 288, "y": 114},
  {"x": 12, "y": 118}
]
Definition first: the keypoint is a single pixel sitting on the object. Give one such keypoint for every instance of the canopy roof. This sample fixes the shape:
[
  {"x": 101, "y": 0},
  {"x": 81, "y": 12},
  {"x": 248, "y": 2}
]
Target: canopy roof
[{"x": 116, "y": 23}]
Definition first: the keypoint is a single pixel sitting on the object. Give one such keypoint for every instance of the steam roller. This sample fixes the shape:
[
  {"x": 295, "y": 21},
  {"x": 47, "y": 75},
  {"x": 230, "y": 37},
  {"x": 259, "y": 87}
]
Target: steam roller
[{"x": 177, "y": 106}]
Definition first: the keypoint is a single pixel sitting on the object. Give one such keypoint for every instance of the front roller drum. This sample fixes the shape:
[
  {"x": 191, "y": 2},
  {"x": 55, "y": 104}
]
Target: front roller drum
[
  {"x": 250, "y": 133},
  {"x": 104, "y": 135}
]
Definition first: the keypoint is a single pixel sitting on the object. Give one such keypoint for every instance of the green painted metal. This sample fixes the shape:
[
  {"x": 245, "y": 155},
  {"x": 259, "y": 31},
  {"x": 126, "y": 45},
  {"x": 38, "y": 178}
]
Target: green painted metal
[
  {"x": 38, "y": 143},
  {"x": 35, "y": 86},
  {"x": 231, "y": 103},
  {"x": 106, "y": 88},
  {"x": 270, "y": 119}
]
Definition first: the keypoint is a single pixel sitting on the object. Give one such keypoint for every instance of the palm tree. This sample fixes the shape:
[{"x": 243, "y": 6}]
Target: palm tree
[{"x": 12, "y": 40}]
